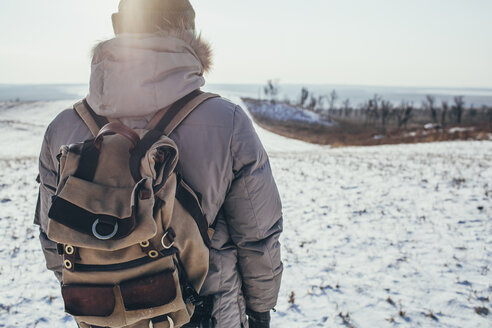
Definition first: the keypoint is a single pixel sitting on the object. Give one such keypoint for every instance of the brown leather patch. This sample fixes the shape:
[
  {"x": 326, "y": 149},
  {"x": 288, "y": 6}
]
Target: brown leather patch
[
  {"x": 88, "y": 300},
  {"x": 117, "y": 128},
  {"x": 149, "y": 292},
  {"x": 144, "y": 194}
]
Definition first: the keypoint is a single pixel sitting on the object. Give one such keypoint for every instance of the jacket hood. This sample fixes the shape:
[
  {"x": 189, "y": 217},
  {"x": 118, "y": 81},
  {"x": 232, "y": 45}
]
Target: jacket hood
[{"x": 135, "y": 75}]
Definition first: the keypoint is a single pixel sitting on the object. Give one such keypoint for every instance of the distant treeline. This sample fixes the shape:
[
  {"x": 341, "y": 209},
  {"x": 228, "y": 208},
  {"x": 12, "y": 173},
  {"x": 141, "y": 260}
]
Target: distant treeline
[{"x": 384, "y": 114}]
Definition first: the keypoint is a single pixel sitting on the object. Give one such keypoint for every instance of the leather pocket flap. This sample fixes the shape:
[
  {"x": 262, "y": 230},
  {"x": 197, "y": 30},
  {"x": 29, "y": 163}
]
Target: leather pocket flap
[
  {"x": 148, "y": 292},
  {"x": 89, "y": 300}
]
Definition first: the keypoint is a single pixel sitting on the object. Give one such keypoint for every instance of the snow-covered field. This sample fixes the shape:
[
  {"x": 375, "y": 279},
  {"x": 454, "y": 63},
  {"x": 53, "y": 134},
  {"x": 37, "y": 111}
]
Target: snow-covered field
[
  {"x": 390, "y": 236},
  {"x": 387, "y": 236}
]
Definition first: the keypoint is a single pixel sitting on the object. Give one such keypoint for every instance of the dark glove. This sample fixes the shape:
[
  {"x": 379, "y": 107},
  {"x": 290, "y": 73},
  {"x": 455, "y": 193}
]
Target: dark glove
[{"x": 258, "y": 319}]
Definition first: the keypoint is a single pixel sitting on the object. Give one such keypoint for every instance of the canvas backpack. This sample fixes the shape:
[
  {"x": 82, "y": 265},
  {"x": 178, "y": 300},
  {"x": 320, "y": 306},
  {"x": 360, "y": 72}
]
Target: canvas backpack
[{"x": 134, "y": 239}]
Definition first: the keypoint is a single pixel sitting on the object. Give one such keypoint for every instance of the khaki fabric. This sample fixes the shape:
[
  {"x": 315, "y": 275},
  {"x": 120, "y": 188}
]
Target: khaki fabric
[
  {"x": 86, "y": 117},
  {"x": 114, "y": 192},
  {"x": 221, "y": 157}
]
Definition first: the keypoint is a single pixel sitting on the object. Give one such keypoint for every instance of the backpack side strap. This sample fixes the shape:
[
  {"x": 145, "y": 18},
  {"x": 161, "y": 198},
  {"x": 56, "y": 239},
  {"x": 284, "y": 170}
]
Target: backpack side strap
[{"x": 93, "y": 121}]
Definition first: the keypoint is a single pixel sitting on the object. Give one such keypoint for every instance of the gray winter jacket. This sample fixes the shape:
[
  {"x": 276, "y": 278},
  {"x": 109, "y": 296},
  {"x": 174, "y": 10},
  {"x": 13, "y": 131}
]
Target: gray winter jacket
[{"x": 222, "y": 158}]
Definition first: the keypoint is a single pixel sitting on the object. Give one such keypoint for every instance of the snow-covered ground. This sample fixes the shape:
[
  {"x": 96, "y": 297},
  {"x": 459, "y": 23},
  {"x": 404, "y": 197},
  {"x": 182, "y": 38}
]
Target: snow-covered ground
[
  {"x": 284, "y": 112},
  {"x": 375, "y": 231},
  {"x": 388, "y": 236}
]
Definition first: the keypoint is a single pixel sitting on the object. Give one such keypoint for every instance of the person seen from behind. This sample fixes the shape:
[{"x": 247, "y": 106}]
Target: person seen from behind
[{"x": 155, "y": 59}]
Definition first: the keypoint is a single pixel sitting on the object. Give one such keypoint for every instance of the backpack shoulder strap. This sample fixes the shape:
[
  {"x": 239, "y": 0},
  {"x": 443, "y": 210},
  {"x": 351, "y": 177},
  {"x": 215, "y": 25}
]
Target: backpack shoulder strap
[
  {"x": 169, "y": 121},
  {"x": 177, "y": 113},
  {"x": 93, "y": 121}
]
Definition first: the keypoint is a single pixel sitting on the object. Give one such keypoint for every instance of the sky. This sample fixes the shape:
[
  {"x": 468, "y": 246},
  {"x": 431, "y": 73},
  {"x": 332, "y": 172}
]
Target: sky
[{"x": 441, "y": 43}]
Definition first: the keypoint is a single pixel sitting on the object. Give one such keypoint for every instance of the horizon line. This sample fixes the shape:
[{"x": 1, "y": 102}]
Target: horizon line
[{"x": 307, "y": 84}]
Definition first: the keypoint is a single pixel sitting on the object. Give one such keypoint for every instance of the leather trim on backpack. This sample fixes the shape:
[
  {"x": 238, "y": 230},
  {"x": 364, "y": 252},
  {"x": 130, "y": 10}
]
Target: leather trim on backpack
[
  {"x": 148, "y": 292},
  {"x": 89, "y": 300}
]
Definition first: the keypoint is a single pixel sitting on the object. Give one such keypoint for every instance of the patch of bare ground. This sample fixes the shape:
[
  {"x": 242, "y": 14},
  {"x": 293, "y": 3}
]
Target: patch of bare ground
[{"x": 358, "y": 134}]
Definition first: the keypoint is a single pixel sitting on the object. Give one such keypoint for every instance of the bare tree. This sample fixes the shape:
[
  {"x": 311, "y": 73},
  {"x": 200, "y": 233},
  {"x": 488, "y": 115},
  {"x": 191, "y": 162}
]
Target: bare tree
[
  {"x": 486, "y": 114},
  {"x": 271, "y": 90},
  {"x": 365, "y": 110},
  {"x": 459, "y": 105},
  {"x": 321, "y": 103},
  {"x": 346, "y": 108},
  {"x": 430, "y": 101},
  {"x": 373, "y": 108},
  {"x": 332, "y": 98},
  {"x": 304, "y": 96},
  {"x": 313, "y": 101},
  {"x": 472, "y": 113},
  {"x": 444, "y": 111},
  {"x": 386, "y": 109},
  {"x": 403, "y": 114}
]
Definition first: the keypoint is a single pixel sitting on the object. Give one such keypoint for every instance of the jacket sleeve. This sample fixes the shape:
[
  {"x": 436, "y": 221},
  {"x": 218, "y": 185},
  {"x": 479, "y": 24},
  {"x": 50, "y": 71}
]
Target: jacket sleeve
[
  {"x": 252, "y": 209},
  {"x": 47, "y": 188}
]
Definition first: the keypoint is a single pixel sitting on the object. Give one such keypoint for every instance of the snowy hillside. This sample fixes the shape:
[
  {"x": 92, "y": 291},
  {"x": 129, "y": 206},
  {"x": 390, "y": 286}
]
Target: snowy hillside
[
  {"x": 284, "y": 112},
  {"x": 389, "y": 236}
]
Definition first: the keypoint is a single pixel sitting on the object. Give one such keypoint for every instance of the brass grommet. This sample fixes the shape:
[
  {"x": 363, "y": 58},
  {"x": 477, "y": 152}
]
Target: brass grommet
[
  {"x": 144, "y": 244},
  {"x": 153, "y": 254},
  {"x": 69, "y": 249},
  {"x": 68, "y": 264}
]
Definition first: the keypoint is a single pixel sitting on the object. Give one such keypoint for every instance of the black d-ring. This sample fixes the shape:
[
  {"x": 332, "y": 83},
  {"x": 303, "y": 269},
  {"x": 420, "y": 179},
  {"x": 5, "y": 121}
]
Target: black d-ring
[{"x": 103, "y": 237}]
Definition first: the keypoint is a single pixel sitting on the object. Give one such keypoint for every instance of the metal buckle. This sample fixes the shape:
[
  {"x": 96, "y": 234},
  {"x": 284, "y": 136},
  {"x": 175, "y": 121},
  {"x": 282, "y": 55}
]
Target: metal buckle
[
  {"x": 169, "y": 319},
  {"x": 101, "y": 237},
  {"x": 164, "y": 243}
]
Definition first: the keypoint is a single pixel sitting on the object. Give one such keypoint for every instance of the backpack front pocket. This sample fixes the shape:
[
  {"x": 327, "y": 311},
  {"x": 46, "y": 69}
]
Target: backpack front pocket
[
  {"x": 149, "y": 292},
  {"x": 140, "y": 298},
  {"x": 89, "y": 300}
]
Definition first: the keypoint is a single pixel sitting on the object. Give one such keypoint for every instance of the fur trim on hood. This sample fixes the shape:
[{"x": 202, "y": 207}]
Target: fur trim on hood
[
  {"x": 202, "y": 47},
  {"x": 135, "y": 75}
]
